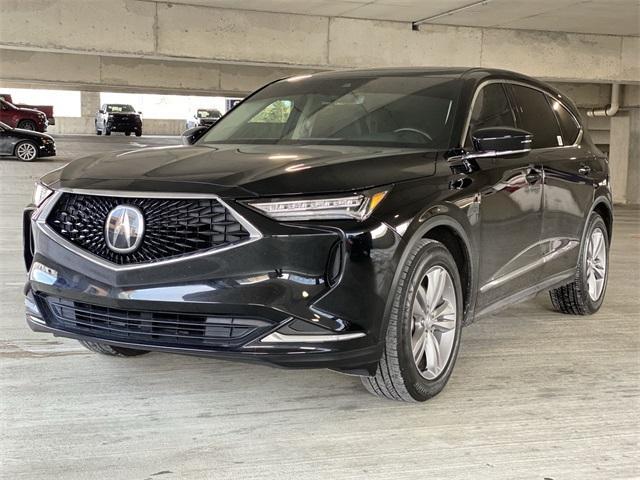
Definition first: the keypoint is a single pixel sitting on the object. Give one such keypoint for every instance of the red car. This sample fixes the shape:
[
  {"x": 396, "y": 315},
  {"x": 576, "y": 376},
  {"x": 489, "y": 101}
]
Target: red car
[
  {"x": 46, "y": 109},
  {"x": 24, "y": 118}
]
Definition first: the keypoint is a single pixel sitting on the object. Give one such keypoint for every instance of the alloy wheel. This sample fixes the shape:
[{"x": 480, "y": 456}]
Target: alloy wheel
[
  {"x": 433, "y": 322},
  {"x": 596, "y": 263},
  {"x": 26, "y": 152}
]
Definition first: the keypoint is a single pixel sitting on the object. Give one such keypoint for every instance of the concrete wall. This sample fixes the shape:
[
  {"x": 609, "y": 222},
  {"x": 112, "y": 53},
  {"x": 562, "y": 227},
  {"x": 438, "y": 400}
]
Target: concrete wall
[{"x": 158, "y": 46}]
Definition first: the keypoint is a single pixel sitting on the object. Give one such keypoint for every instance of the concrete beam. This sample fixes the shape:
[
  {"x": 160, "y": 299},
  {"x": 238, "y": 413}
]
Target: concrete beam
[
  {"x": 30, "y": 69},
  {"x": 166, "y": 32}
]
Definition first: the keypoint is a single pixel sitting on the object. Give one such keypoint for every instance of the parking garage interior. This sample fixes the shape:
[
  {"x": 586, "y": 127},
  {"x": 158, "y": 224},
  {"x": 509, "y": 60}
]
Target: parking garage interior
[{"x": 535, "y": 395}]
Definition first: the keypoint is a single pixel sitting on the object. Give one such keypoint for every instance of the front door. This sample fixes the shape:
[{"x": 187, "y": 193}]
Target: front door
[{"x": 510, "y": 207}]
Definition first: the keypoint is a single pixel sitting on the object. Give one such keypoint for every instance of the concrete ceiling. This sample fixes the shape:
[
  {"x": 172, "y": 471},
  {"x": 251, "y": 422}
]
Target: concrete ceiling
[{"x": 611, "y": 17}]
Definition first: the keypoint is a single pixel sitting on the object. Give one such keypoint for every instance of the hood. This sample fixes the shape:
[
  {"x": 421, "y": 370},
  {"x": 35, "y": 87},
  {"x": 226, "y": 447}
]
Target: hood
[
  {"x": 246, "y": 170},
  {"x": 30, "y": 110},
  {"x": 32, "y": 133}
]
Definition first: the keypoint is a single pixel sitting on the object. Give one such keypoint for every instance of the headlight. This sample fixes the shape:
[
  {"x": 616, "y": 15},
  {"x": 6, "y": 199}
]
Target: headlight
[
  {"x": 47, "y": 141},
  {"x": 356, "y": 207},
  {"x": 40, "y": 194}
]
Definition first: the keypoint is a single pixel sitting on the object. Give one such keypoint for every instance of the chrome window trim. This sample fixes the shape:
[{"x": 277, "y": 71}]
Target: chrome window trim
[
  {"x": 483, "y": 84},
  {"x": 41, "y": 224}
]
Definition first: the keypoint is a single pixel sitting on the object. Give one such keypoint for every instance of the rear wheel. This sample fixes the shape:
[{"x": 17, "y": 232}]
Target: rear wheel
[
  {"x": 423, "y": 333},
  {"x": 111, "y": 350},
  {"x": 139, "y": 133},
  {"x": 98, "y": 131},
  {"x": 107, "y": 131},
  {"x": 26, "y": 151},
  {"x": 584, "y": 295},
  {"x": 127, "y": 133},
  {"x": 27, "y": 125}
]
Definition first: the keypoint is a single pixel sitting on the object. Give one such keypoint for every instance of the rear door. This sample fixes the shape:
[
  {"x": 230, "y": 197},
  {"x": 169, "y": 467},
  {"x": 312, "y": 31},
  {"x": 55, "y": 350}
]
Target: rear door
[
  {"x": 567, "y": 166},
  {"x": 510, "y": 207}
]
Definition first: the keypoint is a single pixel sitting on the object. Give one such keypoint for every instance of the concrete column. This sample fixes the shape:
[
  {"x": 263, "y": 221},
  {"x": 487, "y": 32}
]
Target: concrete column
[
  {"x": 633, "y": 177},
  {"x": 89, "y": 103},
  {"x": 619, "y": 156}
]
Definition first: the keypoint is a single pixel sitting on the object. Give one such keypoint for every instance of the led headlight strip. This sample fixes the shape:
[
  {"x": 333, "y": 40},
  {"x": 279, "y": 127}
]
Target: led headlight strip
[{"x": 357, "y": 206}]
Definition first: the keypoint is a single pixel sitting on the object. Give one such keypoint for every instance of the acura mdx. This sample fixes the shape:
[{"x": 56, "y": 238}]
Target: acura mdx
[{"x": 354, "y": 221}]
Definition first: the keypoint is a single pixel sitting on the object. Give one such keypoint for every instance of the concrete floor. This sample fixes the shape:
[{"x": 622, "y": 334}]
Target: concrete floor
[{"x": 535, "y": 394}]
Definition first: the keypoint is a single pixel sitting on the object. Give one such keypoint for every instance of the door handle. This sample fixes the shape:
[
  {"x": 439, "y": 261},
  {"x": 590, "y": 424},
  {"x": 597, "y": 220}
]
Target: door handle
[{"x": 584, "y": 170}]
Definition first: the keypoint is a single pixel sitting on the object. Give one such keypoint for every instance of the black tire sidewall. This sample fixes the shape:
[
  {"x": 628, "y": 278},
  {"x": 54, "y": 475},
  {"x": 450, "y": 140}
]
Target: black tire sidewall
[
  {"x": 431, "y": 255},
  {"x": 595, "y": 221},
  {"x": 23, "y": 124}
]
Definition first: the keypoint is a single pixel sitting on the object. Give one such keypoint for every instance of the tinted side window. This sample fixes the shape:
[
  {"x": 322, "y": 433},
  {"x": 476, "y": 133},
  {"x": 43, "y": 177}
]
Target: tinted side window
[
  {"x": 491, "y": 109},
  {"x": 570, "y": 129},
  {"x": 535, "y": 116}
]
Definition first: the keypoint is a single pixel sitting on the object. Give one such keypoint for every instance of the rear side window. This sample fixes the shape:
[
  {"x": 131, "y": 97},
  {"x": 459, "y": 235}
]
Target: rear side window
[
  {"x": 568, "y": 125},
  {"x": 535, "y": 116},
  {"x": 491, "y": 109}
]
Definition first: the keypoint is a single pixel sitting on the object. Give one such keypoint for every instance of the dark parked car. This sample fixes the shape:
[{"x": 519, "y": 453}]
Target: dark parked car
[
  {"x": 115, "y": 117},
  {"x": 204, "y": 117},
  {"x": 353, "y": 220},
  {"x": 24, "y": 118},
  {"x": 25, "y": 144}
]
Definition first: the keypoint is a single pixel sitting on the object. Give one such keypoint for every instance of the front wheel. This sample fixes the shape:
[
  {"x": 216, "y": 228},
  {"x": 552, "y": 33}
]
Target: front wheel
[
  {"x": 27, "y": 125},
  {"x": 26, "y": 151},
  {"x": 423, "y": 333},
  {"x": 111, "y": 350},
  {"x": 139, "y": 133},
  {"x": 584, "y": 295},
  {"x": 128, "y": 134}
]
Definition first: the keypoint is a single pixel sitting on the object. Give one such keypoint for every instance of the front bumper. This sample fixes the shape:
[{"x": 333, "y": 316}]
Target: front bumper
[
  {"x": 317, "y": 293},
  {"x": 47, "y": 150},
  {"x": 124, "y": 125}
]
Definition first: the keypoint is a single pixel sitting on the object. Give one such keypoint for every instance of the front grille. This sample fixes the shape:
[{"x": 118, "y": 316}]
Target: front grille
[
  {"x": 152, "y": 327},
  {"x": 173, "y": 227}
]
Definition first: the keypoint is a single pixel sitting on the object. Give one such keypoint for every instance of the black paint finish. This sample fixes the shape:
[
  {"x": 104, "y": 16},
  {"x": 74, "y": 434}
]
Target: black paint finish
[{"x": 513, "y": 222}]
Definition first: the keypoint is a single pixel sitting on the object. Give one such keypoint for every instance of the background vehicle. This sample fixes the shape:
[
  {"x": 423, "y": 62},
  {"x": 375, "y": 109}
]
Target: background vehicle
[
  {"x": 115, "y": 117},
  {"x": 46, "y": 109},
  {"x": 24, "y": 118},
  {"x": 204, "y": 117},
  {"x": 346, "y": 220},
  {"x": 26, "y": 145}
]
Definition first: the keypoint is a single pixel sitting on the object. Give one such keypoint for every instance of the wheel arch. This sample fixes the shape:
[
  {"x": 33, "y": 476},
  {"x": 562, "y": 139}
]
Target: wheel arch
[{"x": 448, "y": 230}]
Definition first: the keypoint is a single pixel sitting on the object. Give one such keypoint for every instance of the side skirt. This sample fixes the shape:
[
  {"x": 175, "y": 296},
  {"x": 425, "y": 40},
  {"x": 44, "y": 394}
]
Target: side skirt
[{"x": 524, "y": 295}]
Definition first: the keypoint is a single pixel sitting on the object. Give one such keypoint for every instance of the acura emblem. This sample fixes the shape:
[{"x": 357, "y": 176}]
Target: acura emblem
[{"x": 124, "y": 229}]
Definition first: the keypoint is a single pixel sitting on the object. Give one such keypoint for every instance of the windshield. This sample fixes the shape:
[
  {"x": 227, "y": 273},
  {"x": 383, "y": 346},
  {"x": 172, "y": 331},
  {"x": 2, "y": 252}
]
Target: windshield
[
  {"x": 208, "y": 114},
  {"x": 119, "y": 108},
  {"x": 407, "y": 111}
]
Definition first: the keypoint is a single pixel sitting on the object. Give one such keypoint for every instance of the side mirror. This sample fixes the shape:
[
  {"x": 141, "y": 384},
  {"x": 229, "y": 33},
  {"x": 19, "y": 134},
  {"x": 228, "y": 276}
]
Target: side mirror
[
  {"x": 503, "y": 140},
  {"x": 101, "y": 111},
  {"x": 191, "y": 136}
]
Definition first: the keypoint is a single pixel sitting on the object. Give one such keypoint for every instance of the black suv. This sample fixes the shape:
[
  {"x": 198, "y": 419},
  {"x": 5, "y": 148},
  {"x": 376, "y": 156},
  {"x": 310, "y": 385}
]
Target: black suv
[
  {"x": 117, "y": 117},
  {"x": 353, "y": 220}
]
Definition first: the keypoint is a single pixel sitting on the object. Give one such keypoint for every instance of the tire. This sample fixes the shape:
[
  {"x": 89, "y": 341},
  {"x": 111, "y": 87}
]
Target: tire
[
  {"x": 585, "y": 294},
  {"x": 138, "y": 133},
  {"x": 111, "y": 350},
  {"x": 128, "y": 134},
  {"x": 107, "y": 132},
  {"x": 398, "y": 376},
  {"x": 98, "y": 131},
  {"x": 26, "y": 151},
  {"x": 27, "y": 125}
]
